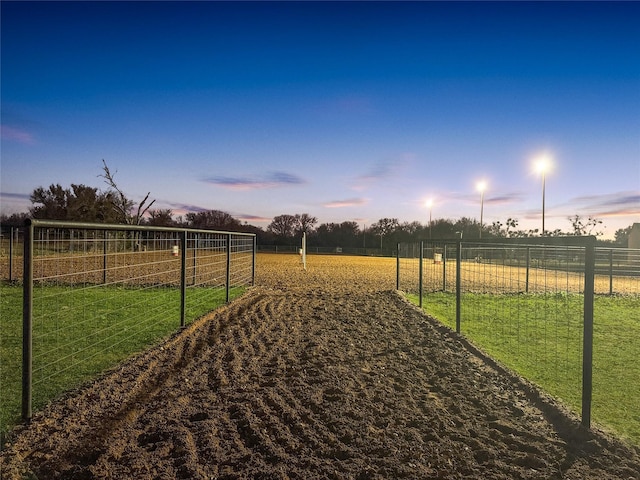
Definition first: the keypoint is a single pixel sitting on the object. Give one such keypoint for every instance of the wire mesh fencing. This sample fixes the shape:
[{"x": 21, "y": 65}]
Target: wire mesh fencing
[
  {"x": 11, "y": 238},
  {"x": 93, "y": 295},
  {"x": 548, "y": 309},
  {"x": 617, "y": 271},
  {"x": 427, "y": 267}
]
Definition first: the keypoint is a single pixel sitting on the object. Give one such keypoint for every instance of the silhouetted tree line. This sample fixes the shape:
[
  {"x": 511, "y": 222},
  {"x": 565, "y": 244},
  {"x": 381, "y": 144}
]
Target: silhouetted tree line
[{"x": 81, "y": 203}]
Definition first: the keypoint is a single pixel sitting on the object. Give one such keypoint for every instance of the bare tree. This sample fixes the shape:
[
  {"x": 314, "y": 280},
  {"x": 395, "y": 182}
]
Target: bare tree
[
  {"x": 283, "y": 226},
  {"x": 213, "y": 220},
  {"x": 580, "y": 227},
  {"x": 161, "y": 217},
  {"x": 511, "y": 226},
  {"x": 50, "y": 203},
  {"x": 79, "y": 203},
  {"x": 121, "y": 203},
  {"x": 385, "y": 227},
  {"x": 305, "y": 223}
]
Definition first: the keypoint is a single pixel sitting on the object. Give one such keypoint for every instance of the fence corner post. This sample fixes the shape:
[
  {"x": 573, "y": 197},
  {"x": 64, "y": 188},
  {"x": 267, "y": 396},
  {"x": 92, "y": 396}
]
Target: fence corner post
[
  {"x": 228, "y": 279},
  {"x": 183, "y": 277},
  {"x": 587, "y": 337},
  {"x": 398, "y": 266},
  {"x": 27, "y": 322},
  {"x": 420, "y": 273},
  {"x": 458, "y": 281}
]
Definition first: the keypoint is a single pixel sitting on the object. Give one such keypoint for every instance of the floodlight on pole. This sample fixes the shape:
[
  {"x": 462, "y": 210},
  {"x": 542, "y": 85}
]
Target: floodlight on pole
[
  {"x": 429, "y": 205},
  {"x": 542, "y": 166},
  {"x": 481, "y": 186}
]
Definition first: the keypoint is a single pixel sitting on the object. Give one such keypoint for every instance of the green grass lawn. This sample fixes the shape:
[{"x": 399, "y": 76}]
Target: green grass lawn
[
  {"x": 80, "y": 332},
  {"x": 540, "y": 337}
]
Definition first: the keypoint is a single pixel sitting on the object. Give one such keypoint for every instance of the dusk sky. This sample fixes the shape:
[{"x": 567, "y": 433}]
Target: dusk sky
[{"x": 346, "y": 111}]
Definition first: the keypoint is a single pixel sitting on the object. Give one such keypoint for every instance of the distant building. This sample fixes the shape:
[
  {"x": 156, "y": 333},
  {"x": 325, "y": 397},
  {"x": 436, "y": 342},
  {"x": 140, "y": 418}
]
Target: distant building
[{"x": 634, "y": 236}]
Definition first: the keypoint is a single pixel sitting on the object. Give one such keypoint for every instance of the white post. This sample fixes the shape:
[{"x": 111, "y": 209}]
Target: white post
[{"x": 304, "y": 250}]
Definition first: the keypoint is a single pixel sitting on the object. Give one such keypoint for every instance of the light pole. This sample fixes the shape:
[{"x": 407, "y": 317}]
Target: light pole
[
  {"x": 364, "y": 238},
  {"x": 429, "y": 204},
  {"x": 543, "y": 164},
  {"x": 481, "y": 186}
]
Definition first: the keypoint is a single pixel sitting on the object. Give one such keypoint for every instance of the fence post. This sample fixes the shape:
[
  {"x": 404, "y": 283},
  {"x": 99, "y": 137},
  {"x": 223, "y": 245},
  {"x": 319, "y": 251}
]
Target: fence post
[
  {"x": 228, "y": 280},
  {"x": 398, "y": 266},
  {"x": 587, "y": 345},
  {"x": 611, "y": 272},
  {"x": 195, "y": 250},
  {"x": 253, "y": 266},
  {"x": 458, "y": 277},
  {"x": 420, "y": 278},
  {"x": 11, "y": 254},
  {"x": 528, "y": 262},
  {"x": 104, "y": 256},
  {"x": 444, "y": 268},
  {"x": 183, "y": 276},
  {"x": 27, "y": 322}
]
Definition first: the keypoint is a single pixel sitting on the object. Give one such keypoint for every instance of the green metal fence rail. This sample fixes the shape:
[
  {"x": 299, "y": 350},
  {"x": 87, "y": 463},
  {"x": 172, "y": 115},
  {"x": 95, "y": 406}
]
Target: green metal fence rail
[
  {"x": 124, "y": 258},
  {"x": 502, "y": 272}
]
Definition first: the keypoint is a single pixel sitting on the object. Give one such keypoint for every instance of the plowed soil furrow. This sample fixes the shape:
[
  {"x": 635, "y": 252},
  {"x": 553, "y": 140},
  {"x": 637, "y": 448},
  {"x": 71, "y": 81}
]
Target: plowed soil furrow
[{"x": 323, "y": 374}]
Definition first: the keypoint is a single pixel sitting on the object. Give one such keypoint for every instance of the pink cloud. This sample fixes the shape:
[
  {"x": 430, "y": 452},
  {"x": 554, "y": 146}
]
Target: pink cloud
[
  {"x": 253, "y": 218},
  {"x": 15, "y": 134},
  {"x": 349, "y": 202}
]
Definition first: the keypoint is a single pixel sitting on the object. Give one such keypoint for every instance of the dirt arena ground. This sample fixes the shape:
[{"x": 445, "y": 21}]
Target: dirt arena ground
[{"x": 323, "y": 374}]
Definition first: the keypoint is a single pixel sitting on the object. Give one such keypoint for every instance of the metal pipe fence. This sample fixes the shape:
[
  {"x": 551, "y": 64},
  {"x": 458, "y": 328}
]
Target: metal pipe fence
[
  {"x": 11, "y": 238},
  {"x": 617, "y": 270},
  {"x": 559, "y": 311},
  {"x": 94, "y": 294},
  {"x": 370, "y": 252}
]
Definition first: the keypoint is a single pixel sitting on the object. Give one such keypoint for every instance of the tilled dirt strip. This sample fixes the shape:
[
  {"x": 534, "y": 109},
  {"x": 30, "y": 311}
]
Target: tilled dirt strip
[{"x": 312, "y": 381}]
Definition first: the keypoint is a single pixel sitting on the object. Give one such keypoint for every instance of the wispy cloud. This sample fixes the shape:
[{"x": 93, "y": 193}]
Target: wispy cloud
[
  {"x": 14, "y": 196},
  {"x": 610, "y": 205},
  {"x": 14, "y": 202},
  {"x": 379, "y": 171},
  {"x": 382, "y": 171},
  {"x": 504, "y": 199},
  {"x": 14, "y": 134},
  {"x": 269, "y": 180},
  {"x": 349, "y": 202},
  {"x": 182, "y": 208},
  {"x": 619, "y": 204},
  {"x": 252, "y": 218}
]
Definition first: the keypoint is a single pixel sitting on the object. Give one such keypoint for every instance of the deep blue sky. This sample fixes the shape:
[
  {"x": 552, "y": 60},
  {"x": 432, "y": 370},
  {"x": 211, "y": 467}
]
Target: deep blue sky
[{"x": 346, "y": 111}]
